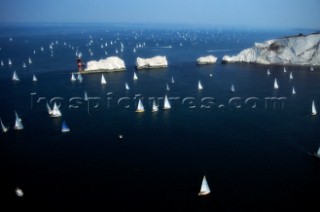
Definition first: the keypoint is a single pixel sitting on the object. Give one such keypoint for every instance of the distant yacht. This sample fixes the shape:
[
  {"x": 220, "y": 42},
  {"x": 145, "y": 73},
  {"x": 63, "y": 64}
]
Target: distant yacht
[
  {"x": 154, "y": 106},
  {"x": 2, "y": 63},
  {"x": 314, "y": 110},
  {"x": 49, "y": 109},
  {"x": 18, "y": 123},
  {"x": 9, "y": 62},
  {"x": 34, "y": 78},
  {"x": 73, "y": 78},
  {"x": 210, "y": 75},
  {"x": 284, "y": 70},
  {"x": 291, "y": 76},
  {"x": 268, "y": 72},
  {"x": 103, "y": 80},
  {"x": 85, "y": 96},
  {"x": 80, "y": 77},
  {"x": 135, "y": 77},
  {"x": 140, "y": 107},
  {"x": 317, "y": 154},
  {"x": 127, "y": 86},
  {"x": 15, "y": 76},
  {"x": 24, "y": 65},
  {"x": 293, "y": 90},
  {"x": 30, "y": 61},
  {"x": 200, "y": 87},
  {"x": 65, "y": 127},
  {"x": 204, "y": 190},
  {"x": 166, "y": 103},
  {"x": 4, "y": 128},
  {"x": 275, "y": 85},
  {"x": 172, "y": 80},
  {"x": 167, "y": 87},
  {"x": 311, "y": 68},
  {"x": 232, "y": 89},
  {"x": 55, "y": 111},
  {"x": 19, "y": 192}
]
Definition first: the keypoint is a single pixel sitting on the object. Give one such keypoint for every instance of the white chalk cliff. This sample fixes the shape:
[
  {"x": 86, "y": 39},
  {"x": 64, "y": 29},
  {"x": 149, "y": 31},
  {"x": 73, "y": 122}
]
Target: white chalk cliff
[
  {"x": 109, "y": 64},
  {"x": 210, "y": 59},
  {"x": 293, "y": 50},
  {"x": 154, "y": 62}
]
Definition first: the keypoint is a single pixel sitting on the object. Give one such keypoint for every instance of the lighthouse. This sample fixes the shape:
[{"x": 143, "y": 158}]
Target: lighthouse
[{"x": 80, "y": 64}]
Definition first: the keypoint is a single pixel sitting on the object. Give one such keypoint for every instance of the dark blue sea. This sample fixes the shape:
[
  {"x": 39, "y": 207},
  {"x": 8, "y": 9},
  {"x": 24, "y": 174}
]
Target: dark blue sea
[{"x": 254, "y": 146}]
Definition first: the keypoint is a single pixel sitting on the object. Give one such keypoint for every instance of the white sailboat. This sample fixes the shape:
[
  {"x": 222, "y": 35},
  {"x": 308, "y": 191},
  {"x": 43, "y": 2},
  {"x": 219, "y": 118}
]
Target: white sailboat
[
  {"x": 317, "y": 154},
  {"x": 85, "y": 96},
  {"x": 140, "y": 107},
  {"x": 204, "y": 190},
  {"x": 314, "y": 110},
  {"x": 18, "y": 122},
  {"x": 135, "y": 77},
  {"x": 172, "y": 80},
  {"x": 73, "y": 78},
  {"x": 2, "y": 63},
  {"x": 232, "y": 89},
  {"x": 9, "y": 62},
  {"x": 30, "y": 61},
  {"x": 268, "y": 72},
  {"x": 284, "y": 70},
  {"x": 154, "y": 106},
  {"x": 49, "y": 109},
  {"x": 79, "y": 77},
  {"x": 166, "y": 105},
  {"x": 275, "y": 85},
  {"x": 311, "y": 68},
  {"x": 19, "y": 192},
  {"x": 293, "y": 90},
  {"x": 200, "y": 87},
  {"x": 55, "y": 111},
  {"x": 167, "y": 87},
  {"x": 103, "y": 80},
  {"x": 65, "y": 127},
  {"x": 4, "y": 128},
  {"x": 24, "y": 65},
  {"x": 291, "y": 76},
  {"x": 34, "y": 78},
  {"x": 127, "y": 86},
  {"x": 15, "y": 76}
]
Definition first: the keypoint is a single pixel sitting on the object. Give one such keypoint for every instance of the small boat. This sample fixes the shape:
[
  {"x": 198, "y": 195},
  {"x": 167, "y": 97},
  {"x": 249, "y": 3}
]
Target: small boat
[
  {"x": 49, "y": 109},
  {"x": 2, "y": 63},
  {"x": 268, "y": 72},
  {"x": 140, "y": 107},
  {"x": 232, "y": 89},
  {"x": 18, "y": 123},
  {"x": 293, "y": 90},
  {"x": 311, "y": 68},
  {"x": 15, "y": 76},
  {"x": 154, "y": 106},
  {"x": 19, "y": 192},
  {"x": 317, "y": 154},
  {"x": 127, "y": 86},
  {"x": 24, "y": 65},
  {"x": 200, "y": 87},
  {"x": 166, "y": 105},
  {"x": 103, "y": 80},
  {"x": 291, "y": 76},
  {"x": 9, "y": 62},
  {"x": 85, "y": 96},
  {"x": 34, "y": 78},
  {"x": 79, "y": 77},
  {"x": 313, "y": 108},
  {"x": 55, "y": 111},
  {"x": 65, "y": 127},
  {"x": 284, "y": 70},
  {"x": 275, "y": 85},
  {"x": 135, "y": 77},
  {"x": 167, "y": 87},
  {"x": 73, "y": 78},
  {"x": 172, "y": 80},
  {"x": 4, "y": 128},
  {"x": 30, "y": 61},
  {"x": 210, "y": 75},
  {"x": 204, "y": 190}
]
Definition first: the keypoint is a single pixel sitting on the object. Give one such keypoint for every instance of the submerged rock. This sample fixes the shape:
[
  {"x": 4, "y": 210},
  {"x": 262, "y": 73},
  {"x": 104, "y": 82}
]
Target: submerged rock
[
  {"x": 154, "y": 62},
  {"x": 293, "y": 50}
]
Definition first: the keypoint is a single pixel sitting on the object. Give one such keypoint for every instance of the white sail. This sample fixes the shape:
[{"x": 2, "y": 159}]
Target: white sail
[
  {"x": 103, "y": 80},
  {"x": 204, "y": 190},
  {"x": 2, "y": 63},
  {"x": 140, "y": 107},
  {"x": 80, "y": 77},
  {"x": 18, "y": 123},
  {"x": 135, "y": 77},
  {"x": 154, "y": 106},
  {"x": 291, "y": 76},
  {"x": 172, "y": 80},
  {"x": 275, "y": 85},
  {"x": 15, "y": 76},
  {"x": 314, "y": 111},
  {"x": 167, "y": 87},
  {"x": 19, "y": 192},
  {"x": 200, "y": 87},
  {"x": 232, "y": 88},
  {"x": 34, "y": 78},
  {"x": 4, "y": 128},
  {"x": 65, "y": 127},
  {"x": 49, "y": 109},
  {"x": 24, "y": 65},
  {"x": 9, "y": 62},
  {"x": 268, "y": 72},
  {"x": 166, "y": 103},
  {"x": 293, "y": 90},
  {"x": 318, "y": 152},
  {"x": 311, "y": 68},
  {"x": 30, "y": 61},
  {"x": 284, "y": 69},
  {"x": 55, "y": 111},
  {"x": 85, "y": 96},
  {"x": 73, "y": 78},
  {"x": 127, "y": 86}
]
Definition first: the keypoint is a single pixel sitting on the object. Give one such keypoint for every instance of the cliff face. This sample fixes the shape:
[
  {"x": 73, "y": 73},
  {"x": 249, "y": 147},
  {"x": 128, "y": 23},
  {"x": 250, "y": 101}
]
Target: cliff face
[
  {"x": 154, "y": 62},
  {"x": 294, "y": 50},
  {"x": 109, "y": 64}
]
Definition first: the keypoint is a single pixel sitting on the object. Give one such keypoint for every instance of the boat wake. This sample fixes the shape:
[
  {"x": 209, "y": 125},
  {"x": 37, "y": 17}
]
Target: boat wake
[{"x": 218, "y": 50}]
